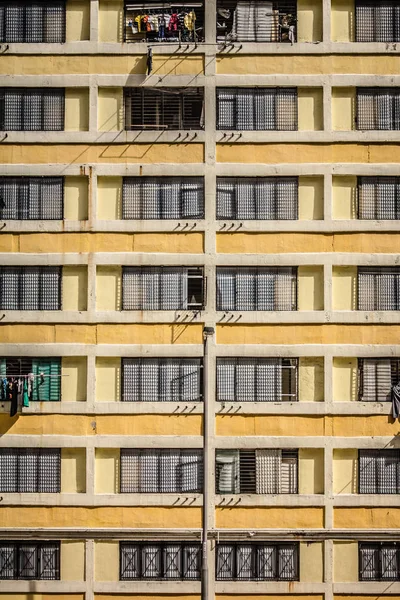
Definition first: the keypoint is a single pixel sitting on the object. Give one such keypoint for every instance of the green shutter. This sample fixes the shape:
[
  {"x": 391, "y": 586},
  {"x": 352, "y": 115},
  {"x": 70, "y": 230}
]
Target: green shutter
[
  {"x": 3, "y": 368},
  {"x": 50, "y": 389}
]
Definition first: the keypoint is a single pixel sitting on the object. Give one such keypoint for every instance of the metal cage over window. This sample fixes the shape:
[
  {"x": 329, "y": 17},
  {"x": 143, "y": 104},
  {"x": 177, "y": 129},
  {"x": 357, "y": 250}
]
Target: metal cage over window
[
  {"x": 378, "y": 198},
  {"x": 31, "y": 198},
  {"x": 376, "y": 377},
  {"x": 379, "y": 562},
  {"x": 32, "y": 22},
  {"x": 379, "y": 471},
  {"x": 378, "y": 288},
  {"x": 257, "y": 562},
  {"x": 28, "y": 470},
  {"x": 378, "y": 108},
  {"x": 30, "y": 288},
  {"x": 46, "y": 389},
  {"x": 160, "y": 560},
  {"x": 30, "y": 560},
  {"x": 32, "y": 109},
  {"x": 377, "y": 21}
]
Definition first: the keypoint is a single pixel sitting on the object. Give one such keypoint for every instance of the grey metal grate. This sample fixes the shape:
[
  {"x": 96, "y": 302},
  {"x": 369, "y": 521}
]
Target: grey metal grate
[
  {"x": 378, "y": 108},
  {"x": 257, "y": 561},
  {"x": 30, "y": 288},
  {"x": 30, "y": 470},
  {"x": 378, "y": 288},
  {"x": 160, "y": 560},
  {"x": 376, "y": 377},
  {"x": 32, "y": 109},
  {"x": 30, "y": 560},
  {"x": 379, "y": 562},
  {"x": 31, "y": 198},
  {"x": 377, "y": 21},
  {"x": 379, "y": 471},
  {"x": 378, "y": 198},
  {"x": 32, "y": 22}
]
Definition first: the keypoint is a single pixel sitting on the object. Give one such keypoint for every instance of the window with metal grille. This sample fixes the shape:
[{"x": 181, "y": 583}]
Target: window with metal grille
[
  {"x": 256, "y": 288},
  {"x": 27, "y": 470},
  {"x": 378, "y": 108},
  {"x": 164, "y": 108},
  {"x": 32, "y": 22},
  {"x": 378, "y": 288},
  {"x": 32, "y": 109},
  {"x": 44, "y": 389},
  {"x": 256, "y": 21},
  {"x": 257, "y": 109},
  {"x": 379, "y": 471},
  {"x": 163, "y": 288},
  {"x": 160, "y": 560},
  {"x": 163, "y": 198},
  {"x": 267, "y": 471},
  {"x": 379, "y": 562},
  {"x": 162, "y": 380},
  {"x": 378, "y": 198},
  {"x": 377, "y": 21},
  {"x": 29, "y": 560},
  {"x": 30, "y": 288},
  {"x": 161, "y": 471},
  {"x": 31, "y": 198},
  {"x": 259, "y": 198},
  {"x": 376, "y": 377},
  {"x": 160, "y": 22},
  {"x": 257, "y": 561}
]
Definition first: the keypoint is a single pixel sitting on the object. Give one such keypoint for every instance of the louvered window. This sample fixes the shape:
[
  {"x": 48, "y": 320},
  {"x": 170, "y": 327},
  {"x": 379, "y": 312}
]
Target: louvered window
[
  {"x": 30, "y": 288},
  {"x": 164, "y": 108},
  {"x": 31, "y": 198},
  {"x": 30, "y": 560},
  {"x": 377, "y": 21},
  {"x": 161, "y": 471},
  {"x": 160, "y": 560},
  {"x": 257, "y": 109},
  {"x": 163, "y": 198},
  {"x": 32, "y": 22},
  {"x": 379, "y": 198},
  {"x": 256, "y": 288},
  {"x": 378, "y": 108},
  {"x": 28, "y": 470},
  {"x": 46, "y": 384},
  {"x": 268, "y": 471},
  {"x": 376, "y": 376},
  {"x": 378, "y": 288},
  {"x": 257, "y": 561},
  {"x": 32, "y": 109},
  {"x": 379, "y": 562},
  {"x": 163, "y": 288},
  {"x": 162, "y": 380},
  {"x": 379, "y": 471}
]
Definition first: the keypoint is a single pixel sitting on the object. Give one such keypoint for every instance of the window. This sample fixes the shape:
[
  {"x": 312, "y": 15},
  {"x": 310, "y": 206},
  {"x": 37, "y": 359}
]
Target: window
[
  {"x": 160, "y": 560},
  {"x": 163, "y": 288},
  {"x": 27, "y": 470},
  {"x": 162, "y": 380},
  {"x": 270, "y": 471},
  {"x": 32, "y": 109},
  {"x": 379, "y": 471},
  {"x": 164, "y": 108},
  {"x": 377, "y": 21},
  {"x": 256, "y": 288},
  {"x": 257, "y": 561},
  {"x": 161, "y": 471},
  {"x": 376, "y": 376},
  {"x": 378, "y": 108},
  {"x": 258, "y": 198},
  {"x": 31, "y": 198},
  {"x": 257, "y": 109},
  {"x": 30, "y": 288},
  {"x": 256, "y": 21},
  {"x": 378, "y": 288},
  {"x": 379, "y": 562},
  {"x": 29, "y": 560},
  {"x": 44, "y": 389},
  {"x": 32, "y": 22},
  {"x": 164, "y": 22},
  {"x": 163, "y": 198},
  {"x": 379, "y": 198}
]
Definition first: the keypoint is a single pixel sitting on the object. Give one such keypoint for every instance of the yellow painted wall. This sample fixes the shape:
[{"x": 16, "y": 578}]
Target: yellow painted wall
[
  {"x": 311, "y": 198},
  {"x": 309, "y": 20},
  {"x": 342, "y": 21},
  {"x": 344, "y": 288},
  {"x": 76, "y": 198},
  {"x": 109, "y": 198},
  {"x": 269, "y": 596},
  {"x": 110, "y": 109},
  {"x": 106, "y": 561},
  {"x": 269, "y": 425},
  {"x": 111, "y": 20},
  {"x": 107, "y": 470},
  {"x": 74, "y": 288},
  {"x": 311, "y": 379},
  {"x": 154, "y": 596},
  {"x": 73, "y": 385},
  {"x": 77, "y": 20},
  {"x": 310, "y": 288},
  {"x": 345, "y": 562},
  {"x": 367, "y": 518},
  {"x": 344, "y": 376},
  {"x": 72, "y": 560},
  {"x": 344, "y": 197},
  {"x": 310, "y": 109},
  {"x": 76, "y": 109},
  {"x": 269, "y": 518},
  {"x": 345, "y": 476},
  {"x": 311, "y": 562},
  {"x": 108, "y": 288},
  {"x": 311, "y": 471},
  {"x": 73, "y": 470},
  {"x": 343, "y": 108},
  {"x": 33, "y": 596},
  {"x": 108, "y": 379}
]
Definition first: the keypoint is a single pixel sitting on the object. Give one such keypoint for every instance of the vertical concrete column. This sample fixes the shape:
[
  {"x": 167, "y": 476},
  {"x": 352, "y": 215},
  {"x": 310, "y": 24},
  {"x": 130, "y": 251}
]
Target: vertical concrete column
[
  {"x": 94, "y": 20},
  {"x": 328, "y": 569},
  {"x": 328, "y": 197},
  {"x": 328, "y": 475},
  {"x": 326, "y": 20},
  {"x": 91, "y": 381},
  {"x": 91, "y": 277},
  {"x": 93, "y": 102},
  {"x": 89, "y": 564},
  {"x": 328, "y": 288},
  {"x": 90, "y": 466},
  {"x": 327, "y": 104}
]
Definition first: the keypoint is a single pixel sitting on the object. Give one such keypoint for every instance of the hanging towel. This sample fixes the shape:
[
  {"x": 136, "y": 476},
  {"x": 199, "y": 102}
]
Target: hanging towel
[
  {"x": 13, "y": 396},
  {"x": 396, "y": 401},
  {"x": 25, "y": 395}
]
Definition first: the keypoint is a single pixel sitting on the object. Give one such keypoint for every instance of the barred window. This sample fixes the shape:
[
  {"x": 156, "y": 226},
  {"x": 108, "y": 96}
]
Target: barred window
[
  {"x": 161, "y": 471},
  {"x": 28, "y": 470},
  {"x": 32, "y": 109},
  {"x": 163, "y": 198},
  {"x": 378, "y": 288},
  {"x": 379, "y": 198},
  {"x": 257, "y": 109},
  {"x": 162, "y": 380},
  {"x": 31, "y": 198},
  {"x": 377, "y": 21},
  {"x": 30, "y": 560},
  {"x": 163, "y": 288},
  {"x": 160, "y": 560},
  {"x": 379, "y": 471},
  {"x": 30, "y": 288},
  {"x": 257, "y": 561},
  {"x": 164, "y": 108},
  {"x": 378, "y": 108},
  {"x": 44, "y": 389},
  {"x": 259, "y": 198},
  {"x": 256, "y": 288},
  {"x": 376, "y": 377},
  {"x": 379, "y": 562},
  {"x": 268, "y": 471},
  {"x": 32, "y": 22}
]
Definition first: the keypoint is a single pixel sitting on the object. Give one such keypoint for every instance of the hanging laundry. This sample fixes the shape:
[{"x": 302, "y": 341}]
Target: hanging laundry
[
  {"x": 173, "y": 22},
  {"x": 12, "y": 393},
  {"x": 25, "y": 398}
]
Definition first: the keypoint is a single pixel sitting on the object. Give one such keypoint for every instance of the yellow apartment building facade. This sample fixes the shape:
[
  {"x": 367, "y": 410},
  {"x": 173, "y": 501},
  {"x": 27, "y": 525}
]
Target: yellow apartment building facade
[{"x": 199, "y": 290}]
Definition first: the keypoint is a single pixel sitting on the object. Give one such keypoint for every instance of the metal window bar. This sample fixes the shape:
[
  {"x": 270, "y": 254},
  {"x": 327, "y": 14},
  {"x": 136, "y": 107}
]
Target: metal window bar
[
  {"x": 377, "y": 21},
  {"x": 378, "y": 288},
  {"x": 257, "y": 562},
  {"x": 379, "y": 562},
  {"x": 30, "y": 288},
  {"x": 32, "y": 109},
  {"x": 378, "y": 198},
  {"x": 163, "y": 198},
  {"x": 30, "y": 470},
  {"x": 26, "y": 22},
  {"x": 376, "y": 377},
  {"x": 160, "y": 560},
  {"x": 379, "y": 471},
  {"x": 31, "y": 198},
  {"x": 164, "y": 108},
  {"x": 378, "y": 108},
  {"x": 29, "y": 560}
]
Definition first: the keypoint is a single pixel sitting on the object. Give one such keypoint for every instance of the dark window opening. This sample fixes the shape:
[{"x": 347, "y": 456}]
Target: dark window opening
[
  {"x": 46, "y": 383},
  {"x": 379, "y": 471},
  {"x": 32, "y": 109},
  {"x": 30, "y": 470},
  {"x": 377, "y": 21},
  {"x": 31, "y": 198},
  {"x": 160, "y": 560},
  {"x": 257, "y": 562},
  {"x": 30, "y": 560},
  {"x": 379, "y": 562},
  {"x": 30, "y": 288},
  {"x": 32, "y": 22},
  {"x": 378, "y": 198},
  {"x": 378, "y": 109},
  {"x": 376, "y": 377},
  {"x": 378, "y": 288}
]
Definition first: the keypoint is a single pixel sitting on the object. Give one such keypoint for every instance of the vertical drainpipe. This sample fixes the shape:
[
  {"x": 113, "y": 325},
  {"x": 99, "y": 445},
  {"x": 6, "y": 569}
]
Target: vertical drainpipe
[{"x": 207, "y": 333}]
